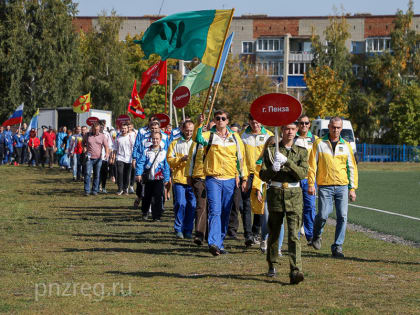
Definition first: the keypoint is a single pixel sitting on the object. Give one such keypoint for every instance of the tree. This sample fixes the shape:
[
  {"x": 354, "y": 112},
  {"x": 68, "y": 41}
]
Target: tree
[
  {"x": 327, "y": 94},
  {"x": 387, "y": 77},
  {"x": 239, "y": 87},
  {"x": 106, "y": 71},
  {"x": 330, "y": 74},
  {"x": 334, "y": 53},
  {"x": 404, "y": 111},
  {"x": 42, "y": 63}
]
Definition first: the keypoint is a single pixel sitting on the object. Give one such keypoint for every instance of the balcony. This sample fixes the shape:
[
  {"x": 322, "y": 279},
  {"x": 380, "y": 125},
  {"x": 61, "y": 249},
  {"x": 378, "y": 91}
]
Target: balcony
[{"x": 304, "y": 56}]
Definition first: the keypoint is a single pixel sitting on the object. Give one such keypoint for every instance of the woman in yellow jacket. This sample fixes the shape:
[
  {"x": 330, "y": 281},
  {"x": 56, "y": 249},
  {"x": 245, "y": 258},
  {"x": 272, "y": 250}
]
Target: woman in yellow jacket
[{"x": 224, "y": 165}]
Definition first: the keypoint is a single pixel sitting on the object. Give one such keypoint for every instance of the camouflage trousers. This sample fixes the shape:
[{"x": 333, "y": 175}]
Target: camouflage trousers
[{"x": 281, "y": 203}]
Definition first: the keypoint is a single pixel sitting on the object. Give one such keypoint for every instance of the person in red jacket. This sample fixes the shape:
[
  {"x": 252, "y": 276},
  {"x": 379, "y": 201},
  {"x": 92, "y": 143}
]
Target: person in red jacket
[{"x": 33, "y": 147}]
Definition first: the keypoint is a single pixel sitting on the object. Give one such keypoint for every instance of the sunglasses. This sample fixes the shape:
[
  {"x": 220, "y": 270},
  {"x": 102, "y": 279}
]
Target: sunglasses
[
  {"x": 304, "y": 123},
  {"x": 222, "y": 118}
]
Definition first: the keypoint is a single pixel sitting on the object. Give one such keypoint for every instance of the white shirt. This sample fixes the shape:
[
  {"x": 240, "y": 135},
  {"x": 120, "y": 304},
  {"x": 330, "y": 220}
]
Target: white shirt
[
  {"x": 109, "y": 144},
  {"x": 124, "y": 147}
]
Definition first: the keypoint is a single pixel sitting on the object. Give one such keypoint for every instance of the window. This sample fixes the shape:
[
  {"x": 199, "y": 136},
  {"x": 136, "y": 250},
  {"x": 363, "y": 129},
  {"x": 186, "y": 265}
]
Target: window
[
  {"x": 247, "y": 47},
  {"x": 379, "y": 44},
  {"x": 357, "y": 47},
  {"x": 270, "y": 45},
  {"x": 270, "y": 68},
  {"x": 297, "y": 68}
]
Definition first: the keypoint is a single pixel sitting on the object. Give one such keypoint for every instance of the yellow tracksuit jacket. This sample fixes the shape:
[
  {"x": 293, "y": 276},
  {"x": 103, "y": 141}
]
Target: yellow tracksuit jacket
[
  {"x": 225, "y": 158},
  {"x": 254, "y": 145},
  {"x": 177, "y": 149},
  {"x": 332, "y": 168},
  {"x": 194, "y": 167},
  {"x": 306, "y": 142}
]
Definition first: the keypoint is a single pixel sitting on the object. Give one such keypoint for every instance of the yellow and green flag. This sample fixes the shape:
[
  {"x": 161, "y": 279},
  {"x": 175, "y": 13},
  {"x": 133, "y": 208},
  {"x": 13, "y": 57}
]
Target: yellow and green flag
[
  {"x": 82, "y": 104},
  {"x": 188, "y": 35}
]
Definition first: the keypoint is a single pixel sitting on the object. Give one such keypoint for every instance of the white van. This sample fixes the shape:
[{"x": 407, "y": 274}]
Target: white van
[{"x": 319, "y": 127}]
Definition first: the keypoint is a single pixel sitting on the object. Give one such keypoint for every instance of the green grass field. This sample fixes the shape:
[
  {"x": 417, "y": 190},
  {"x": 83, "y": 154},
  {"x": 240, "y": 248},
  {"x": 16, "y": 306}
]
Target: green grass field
[
  {"x": 62, "y": 252},
  {"x": 393, "y": 187}
]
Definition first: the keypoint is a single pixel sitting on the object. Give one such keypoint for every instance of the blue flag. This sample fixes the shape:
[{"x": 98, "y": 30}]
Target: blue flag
[
  {"x": 33, "y": 124},
  {"x": 223, "y": 59}
]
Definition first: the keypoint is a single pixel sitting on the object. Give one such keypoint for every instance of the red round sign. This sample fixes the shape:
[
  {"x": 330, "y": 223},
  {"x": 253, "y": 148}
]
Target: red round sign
[
  {"x": 181, "y": 97},
  {"x": 163, "y": 118},
  {"x": 91, "y": 120},
  {"x": 123, "y": 119},
  {"x": 276, "y": 109}
]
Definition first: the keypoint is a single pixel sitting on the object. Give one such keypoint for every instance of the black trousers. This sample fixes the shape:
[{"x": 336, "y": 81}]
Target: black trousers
[
  {"x": 140, "y": 190},
  {"x": 123, "y": 175},
  {"x": 50, "y": 155},
  {"x": 113, "y": 170},
  {"x": 103, "y": 176},
  {"x": 132, "y": 176},
  {"x": 153, "y": 194},
  {"x": 18, "y": 155},
  {"x": 34, "y": 156}
]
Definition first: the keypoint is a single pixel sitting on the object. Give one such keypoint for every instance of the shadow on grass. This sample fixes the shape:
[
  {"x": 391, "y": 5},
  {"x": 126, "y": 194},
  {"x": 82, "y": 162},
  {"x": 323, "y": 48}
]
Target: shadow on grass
[
  {"x": 358, "y": 259},
  {"x": 186, "y": 251},
  {"x": 81, "y": 209},
  {"x": 148, "y": 274}
]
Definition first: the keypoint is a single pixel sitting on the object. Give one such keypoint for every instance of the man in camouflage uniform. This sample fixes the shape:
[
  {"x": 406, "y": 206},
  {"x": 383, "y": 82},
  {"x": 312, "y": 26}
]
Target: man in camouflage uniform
[{"x": 283, "y": 171}]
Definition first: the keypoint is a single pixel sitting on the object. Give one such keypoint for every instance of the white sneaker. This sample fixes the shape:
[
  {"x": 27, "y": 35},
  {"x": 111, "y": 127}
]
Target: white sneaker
[
  {"x": 131, "y": 190},
  {"x": 263, "y": 246},
  {"x": 280, "y": 254}
]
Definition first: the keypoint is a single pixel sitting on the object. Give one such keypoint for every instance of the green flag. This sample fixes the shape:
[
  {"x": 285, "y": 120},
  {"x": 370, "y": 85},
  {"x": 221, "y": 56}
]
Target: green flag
[
  {"x": 198, "y": 79},
  {"x": 188, "y": 35}
]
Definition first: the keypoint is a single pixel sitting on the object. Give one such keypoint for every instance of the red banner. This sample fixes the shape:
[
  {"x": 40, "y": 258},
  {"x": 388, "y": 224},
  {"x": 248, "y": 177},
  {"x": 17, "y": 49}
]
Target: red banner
[
  {"x": 134, "y": 106},
  {"x": 156, "y": 74}
]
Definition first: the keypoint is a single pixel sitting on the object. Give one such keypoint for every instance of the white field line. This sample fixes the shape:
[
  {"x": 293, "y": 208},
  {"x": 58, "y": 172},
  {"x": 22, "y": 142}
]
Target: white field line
[{"x": 387, "y": 212}]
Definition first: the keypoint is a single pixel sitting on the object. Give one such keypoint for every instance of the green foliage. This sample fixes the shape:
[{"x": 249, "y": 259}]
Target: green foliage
[
  {"x": 387, "y": 87},
  {"x": 106, "y": 71},
  {"x": 239, "y": 87},
  {"x": 327, "y": 94},
  {"x": 364, "y": 113},
  {"x": 41, "y": 61},
  {"x": 334, "y": 54},
  {"x": 404, "y": 112},
  {"x": 330, "y": 74}
]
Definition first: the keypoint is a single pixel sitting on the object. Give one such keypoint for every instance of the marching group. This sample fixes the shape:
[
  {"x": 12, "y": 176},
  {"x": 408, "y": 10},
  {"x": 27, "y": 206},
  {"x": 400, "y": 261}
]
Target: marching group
[{"x": 214, "y": 172}]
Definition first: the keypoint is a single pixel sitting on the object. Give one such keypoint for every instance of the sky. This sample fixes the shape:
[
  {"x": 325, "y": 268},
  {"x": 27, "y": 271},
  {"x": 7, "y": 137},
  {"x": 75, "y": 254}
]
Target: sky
[{"x": 243, "y": 7}]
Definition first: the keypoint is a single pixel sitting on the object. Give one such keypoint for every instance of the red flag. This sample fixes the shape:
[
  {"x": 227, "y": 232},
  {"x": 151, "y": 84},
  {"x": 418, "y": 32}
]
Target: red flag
[
  {"x": 134, "y": 106},
  {"x": 156, "y": 74}
]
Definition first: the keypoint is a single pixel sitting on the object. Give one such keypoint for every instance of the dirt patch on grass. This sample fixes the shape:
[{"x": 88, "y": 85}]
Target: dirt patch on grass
[{"x": 377, "y": 235}]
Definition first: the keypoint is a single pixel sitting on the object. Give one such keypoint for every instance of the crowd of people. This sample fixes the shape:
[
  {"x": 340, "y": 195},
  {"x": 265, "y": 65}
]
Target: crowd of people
[{"x": 214, "y": 172}]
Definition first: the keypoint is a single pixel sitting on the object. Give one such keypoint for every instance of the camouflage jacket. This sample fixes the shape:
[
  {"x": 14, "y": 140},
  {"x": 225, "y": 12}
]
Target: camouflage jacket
[{"x": 294, "y": 170}]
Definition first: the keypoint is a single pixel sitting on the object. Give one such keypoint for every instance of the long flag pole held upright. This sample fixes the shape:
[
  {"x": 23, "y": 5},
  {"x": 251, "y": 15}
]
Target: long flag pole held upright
[
  {"x": 166, "y": 87},
  {"x": 217, "y": 64},
  {"x": 219, "y": 71}
]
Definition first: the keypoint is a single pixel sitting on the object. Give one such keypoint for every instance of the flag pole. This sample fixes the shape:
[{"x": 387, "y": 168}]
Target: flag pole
[
  {"x": 217, "y": 64},
  {"x": 170, "y": 99},
  {"x": 212, "y": 102},
  {"x": 166, "y": 88}
]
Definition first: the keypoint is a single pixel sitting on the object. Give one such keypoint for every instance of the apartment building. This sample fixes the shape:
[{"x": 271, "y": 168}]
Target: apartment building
[{"x": 280, "y": 47}]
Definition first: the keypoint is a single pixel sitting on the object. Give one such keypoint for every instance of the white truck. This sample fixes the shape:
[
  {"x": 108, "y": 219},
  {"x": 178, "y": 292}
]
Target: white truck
[{"x": 64, "y": 116}]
